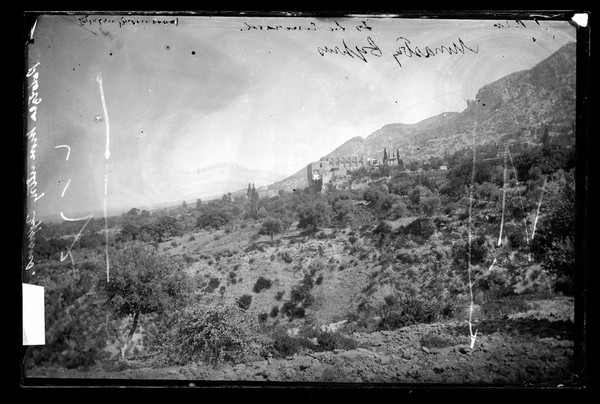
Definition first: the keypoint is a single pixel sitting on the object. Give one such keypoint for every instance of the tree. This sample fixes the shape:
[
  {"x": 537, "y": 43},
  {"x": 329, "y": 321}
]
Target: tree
[
  {"x": 143, "y": 282},
  {"x": 128, "y": 232},
  {"x": 385, "y": 156},
  {"x": 134, "y": 212},
  {"x": 213, "y": 218},
  {"x": 198, "y": 204},
  {"x": 262, "y": 213},
  {"x": 554, "y": 240},
  {"x": 166, "y": 227},
  {"x": 184, "y": 205},
  {"x": 344, "y": 211},
  {"x": 413, "y": 166},
  {"x": 418, "y": 193},
  {"x": 314, "y": 214},
  {"x": 271, "y": 226},
  {"x": 252, "y": 202},
  {"x": 430, "y": 205},
  {"x": 545, "y": 138}
]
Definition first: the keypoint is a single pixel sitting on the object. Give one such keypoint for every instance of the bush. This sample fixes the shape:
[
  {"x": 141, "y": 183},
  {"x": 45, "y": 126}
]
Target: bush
[
  {"x": 434, "y": 340},
  {"x": 244, "y": 301},
  {"x": 214, "y": 334},
  {"x": 286, "y": 345},
  {"x": 286, "y": 257},
  {"x": 262, "y": 317},
  {"x": 292, "y": 310},
  {"x": 319, "y": 280},
  {"x": 212, "y": 285},
  {"x": 261, "y": 284},
  {"x": 422, "y": 227},
  {"x": 279, "y": 295},
  {"x": 398, "y": 312},
  {"x": 328, "y": 341},
  {"x": 494, "y": 304},
  {"x": 274, "y": 311}
]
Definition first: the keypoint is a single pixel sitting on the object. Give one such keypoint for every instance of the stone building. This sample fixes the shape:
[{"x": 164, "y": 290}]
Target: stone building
[{"x": 328, "y": 168}]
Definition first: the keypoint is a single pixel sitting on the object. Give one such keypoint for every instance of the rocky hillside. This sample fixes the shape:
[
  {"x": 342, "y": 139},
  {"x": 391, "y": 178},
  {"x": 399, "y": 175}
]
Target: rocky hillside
[
  {"x": 520, "y": 103},
  {"x": 517, "y": 105}
]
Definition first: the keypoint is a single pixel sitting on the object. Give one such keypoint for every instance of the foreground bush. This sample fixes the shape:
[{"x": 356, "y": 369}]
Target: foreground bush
[
  {"x": 286, "y": 345},
  {"x": 398, "y": 312},
  {"x": 214, "y": 334}
]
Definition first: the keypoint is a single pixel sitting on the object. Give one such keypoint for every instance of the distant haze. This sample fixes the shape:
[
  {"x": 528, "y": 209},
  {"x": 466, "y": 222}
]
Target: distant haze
[{"x": 207, "y": 106}]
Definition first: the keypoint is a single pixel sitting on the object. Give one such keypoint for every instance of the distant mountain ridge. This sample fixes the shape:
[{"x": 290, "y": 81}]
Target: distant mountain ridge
[{"x": 520, "y": 103}]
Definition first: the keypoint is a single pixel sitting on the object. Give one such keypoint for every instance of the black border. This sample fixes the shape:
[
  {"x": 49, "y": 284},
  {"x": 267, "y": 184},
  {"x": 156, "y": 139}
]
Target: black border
[{"x": 584, "y": 322}]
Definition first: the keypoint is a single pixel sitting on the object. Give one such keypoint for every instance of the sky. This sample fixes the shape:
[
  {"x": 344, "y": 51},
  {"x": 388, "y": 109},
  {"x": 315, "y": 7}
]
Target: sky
[{"x": 205, "y": 105}]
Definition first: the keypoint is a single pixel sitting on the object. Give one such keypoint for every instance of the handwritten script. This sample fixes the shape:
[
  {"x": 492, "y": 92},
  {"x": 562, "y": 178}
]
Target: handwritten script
[
  {"x": 86, "y": 20},
  {"x": 404, "y": 49},
  {"x": 33, "y": 102},
  {"x": 360, "y": 52},
  {"x": 312, "y": 26}
]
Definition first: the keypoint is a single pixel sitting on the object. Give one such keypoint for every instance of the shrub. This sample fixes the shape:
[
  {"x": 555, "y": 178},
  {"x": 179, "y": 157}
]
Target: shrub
[
  {"x": 398, "y": 312},
  {"x": 214, "y": 334},
  {"x": 279, "y": 295},
  {"x": 262, "y": 283},
  {"x": 274, "y": 311},
  {"x": 319, "y": 280},
  {"x": 212, "y": 285},
  {"x": 434, "y": 340},
  {"x": 244, "y": 301},
  {"x": 262, "y": 317},
  {"x": 494, "y": 304},
  {"x": 421, "y": 227},
  {"x": 299, "y": 312},
  {"x": 286, "y": 345},
  {"x": 328, "y": 341},
  {"x": 286, "y": 257}
]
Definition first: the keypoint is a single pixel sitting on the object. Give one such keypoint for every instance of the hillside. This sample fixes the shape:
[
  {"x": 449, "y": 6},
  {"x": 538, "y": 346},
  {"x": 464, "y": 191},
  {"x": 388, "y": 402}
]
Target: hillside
[
  {"x": 462, "y": 275},
  {"x": 515, "y": 106}
]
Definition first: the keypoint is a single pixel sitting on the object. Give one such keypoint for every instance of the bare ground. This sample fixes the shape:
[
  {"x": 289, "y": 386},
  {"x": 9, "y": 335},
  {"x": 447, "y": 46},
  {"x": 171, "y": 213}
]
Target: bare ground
[{"x": 534, "y": 348}]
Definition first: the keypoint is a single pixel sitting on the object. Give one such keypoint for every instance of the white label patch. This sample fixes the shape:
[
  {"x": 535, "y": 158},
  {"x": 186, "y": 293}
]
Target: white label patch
[{"x": 33, "y": 315}]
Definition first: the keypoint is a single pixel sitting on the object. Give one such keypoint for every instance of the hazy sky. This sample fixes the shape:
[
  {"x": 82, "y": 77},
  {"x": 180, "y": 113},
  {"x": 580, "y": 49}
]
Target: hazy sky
[{"x": 185, "y": 102}]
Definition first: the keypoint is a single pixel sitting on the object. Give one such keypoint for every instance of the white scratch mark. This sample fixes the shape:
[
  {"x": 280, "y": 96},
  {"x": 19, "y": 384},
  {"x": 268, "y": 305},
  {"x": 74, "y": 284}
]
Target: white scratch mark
[
  {"x": 537, "y": 214},
  {"x": 69, "y": 254},
  {"x": 65, "y": 189},
  {"x": 106, "y": 222},
  {"x": 503, "y": 200},
  {"x": 32, "y": 29},
  {"x": 107, "y": 150},
  {"x": 106, "y": 156},
  {"x": 68, "y": 149},
  {"x": 473, "y": 336},
  {"x": 76, "y": 219},
  {"x": 520, "y": 198}
]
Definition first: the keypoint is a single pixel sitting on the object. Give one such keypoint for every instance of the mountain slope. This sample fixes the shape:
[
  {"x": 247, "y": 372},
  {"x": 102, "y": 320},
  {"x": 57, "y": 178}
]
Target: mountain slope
[{"x": 519, "y": 104}]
